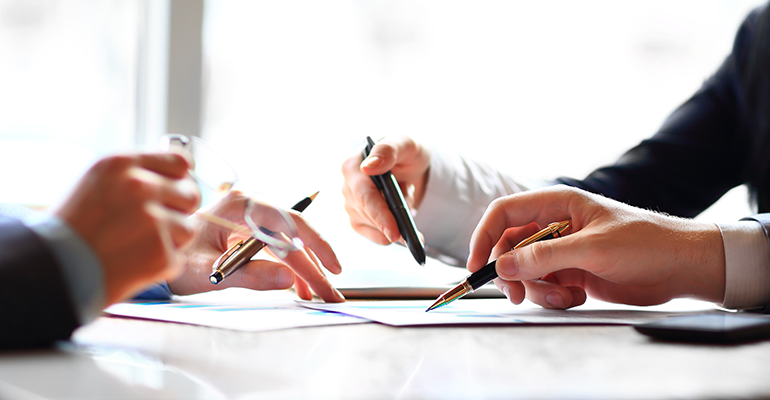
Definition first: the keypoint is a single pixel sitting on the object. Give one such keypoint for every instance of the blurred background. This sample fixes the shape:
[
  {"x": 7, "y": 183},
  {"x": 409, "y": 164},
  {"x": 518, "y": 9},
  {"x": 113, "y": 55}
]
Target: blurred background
[{"x": 289, "y": 89}]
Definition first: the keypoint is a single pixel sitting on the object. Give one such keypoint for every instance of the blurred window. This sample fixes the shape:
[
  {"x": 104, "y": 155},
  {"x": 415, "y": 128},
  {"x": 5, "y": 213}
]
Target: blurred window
[{"x": 67, "y": 79}]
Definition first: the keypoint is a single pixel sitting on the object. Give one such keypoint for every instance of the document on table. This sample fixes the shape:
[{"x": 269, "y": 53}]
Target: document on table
[
  {"x": 502, "y": 312},
  {"x": 235, "y": 309}
]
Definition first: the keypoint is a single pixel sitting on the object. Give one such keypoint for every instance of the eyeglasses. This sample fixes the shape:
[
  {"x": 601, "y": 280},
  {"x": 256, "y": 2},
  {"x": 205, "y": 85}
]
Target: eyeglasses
[{"x": 267, "y": 223}]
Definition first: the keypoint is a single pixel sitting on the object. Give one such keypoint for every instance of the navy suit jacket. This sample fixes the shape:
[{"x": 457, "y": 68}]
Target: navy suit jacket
[
  {"x": 717, "y": 140},
  {"x": 36, "y": 304}
]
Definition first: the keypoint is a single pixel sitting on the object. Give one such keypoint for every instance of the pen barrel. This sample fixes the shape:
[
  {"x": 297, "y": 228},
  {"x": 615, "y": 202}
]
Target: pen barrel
[
  {"x": 302, "y": 205},
  {"x": 390, "y": 189},
  {"x": 250, "y": 248},
  {"x": 406, "y": 226},
  {"x": 483, "y": 276}
]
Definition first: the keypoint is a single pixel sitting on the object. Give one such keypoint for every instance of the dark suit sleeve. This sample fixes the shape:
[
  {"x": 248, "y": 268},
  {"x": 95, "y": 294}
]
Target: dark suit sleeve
[
  {"x": 36, "y": 306},
  {"x": 700, "y": 152}
]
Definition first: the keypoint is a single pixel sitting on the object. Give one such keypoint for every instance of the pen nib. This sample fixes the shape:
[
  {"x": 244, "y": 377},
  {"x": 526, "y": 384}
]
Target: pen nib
[{"x": 451, "y": 295}]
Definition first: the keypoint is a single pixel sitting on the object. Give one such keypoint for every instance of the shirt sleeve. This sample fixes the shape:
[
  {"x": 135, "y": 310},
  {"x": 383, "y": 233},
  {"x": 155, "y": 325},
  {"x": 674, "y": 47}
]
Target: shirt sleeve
[
  {"x": 458, "y": 192},
  {"x": 747, "y": 257},
  {"x": 81, "y": 268}
]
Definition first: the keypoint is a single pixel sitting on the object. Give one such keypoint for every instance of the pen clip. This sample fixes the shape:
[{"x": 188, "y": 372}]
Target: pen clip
[{"x": 229, "y": 253}]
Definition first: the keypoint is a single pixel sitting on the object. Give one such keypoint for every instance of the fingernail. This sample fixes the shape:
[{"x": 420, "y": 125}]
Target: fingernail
[
  {"x": 555, "y": 300},
  {"x": 285, "y": 278},
  {"x": 372, "y": 162},
  {"x": 507, "y": 292},
  {"x": 507, "y": 264}
]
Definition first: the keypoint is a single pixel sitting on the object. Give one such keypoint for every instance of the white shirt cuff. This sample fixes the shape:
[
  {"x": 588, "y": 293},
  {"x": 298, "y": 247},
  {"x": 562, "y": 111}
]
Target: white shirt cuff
[
  {"x": 456, "y": 197},
  {"x": 747, "y": 256}
]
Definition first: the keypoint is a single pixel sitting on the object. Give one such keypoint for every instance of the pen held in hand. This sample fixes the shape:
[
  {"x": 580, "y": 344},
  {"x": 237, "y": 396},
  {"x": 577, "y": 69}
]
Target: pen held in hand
[
  {"x": 390, "y": 189},
  {"x": 487, "y": 273},
  {"x": 241, "y": 252}
]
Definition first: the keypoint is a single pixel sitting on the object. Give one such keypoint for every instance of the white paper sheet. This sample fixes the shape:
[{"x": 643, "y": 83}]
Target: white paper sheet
[
  {"x": 501, "y": 311},
  {"x": 235, "y": 309}
]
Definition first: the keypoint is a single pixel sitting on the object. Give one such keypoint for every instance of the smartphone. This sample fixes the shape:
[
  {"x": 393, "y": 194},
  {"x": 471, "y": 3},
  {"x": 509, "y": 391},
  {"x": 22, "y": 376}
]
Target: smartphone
[{"x": 710, "y": 328}]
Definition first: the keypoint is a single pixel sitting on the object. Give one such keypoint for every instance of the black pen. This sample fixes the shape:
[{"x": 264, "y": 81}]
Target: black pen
[
  {"x": 487, "y": 273},
  {"x": 241, "y": 252},
  {"x": 389, "y": 187}
]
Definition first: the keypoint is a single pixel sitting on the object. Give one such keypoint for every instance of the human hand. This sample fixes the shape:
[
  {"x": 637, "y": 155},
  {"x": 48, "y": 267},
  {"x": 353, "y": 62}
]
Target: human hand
[
  {"x": 300, "y": 269},
  {"x": 131, "y": 210},
  {"x": 615, "y": 253},
  {"x": 369, "y": 214}
]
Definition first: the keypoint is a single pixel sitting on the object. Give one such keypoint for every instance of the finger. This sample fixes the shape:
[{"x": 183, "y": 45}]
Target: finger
[
  {"x": 181, "y": 195},
  {"x": 364, "y": 226},
  {"x": 553, "y": 295},
  {"x": 371, "y": 233},
  {"x": 513, "y": 290},
  {"x": 144, "y": 185},
  {"x": 511, "y": 237},
  {"x": 579, "y": 293},
  {"x": 541, "y": 206},
  {"x": 174, "y": 226},
  {"x": 181, "y": 229},
  {"x": 173, "y": 238},
  {"x": 372, "y": 204},
  {"x": 172, "y": 165},
  {"x": 260, "y": 275},
  {"x": 302, "y": 289},
  {"x": 383, "y": 156},
  {"x": 541, "y": 258},
  {"x": 306, "y": 269},
  {"x": 321, "y": 249}
]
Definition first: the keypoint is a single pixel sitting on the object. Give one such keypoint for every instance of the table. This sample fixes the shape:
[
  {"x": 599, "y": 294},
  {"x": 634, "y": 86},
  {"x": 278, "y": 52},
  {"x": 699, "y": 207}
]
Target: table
[{"x": 117, "y": 358}]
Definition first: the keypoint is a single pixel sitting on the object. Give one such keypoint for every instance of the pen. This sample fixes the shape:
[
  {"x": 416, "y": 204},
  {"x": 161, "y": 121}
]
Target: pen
[
  {"x": 241, "y": 252},
  {"x": 389, "y": 187},
  {"x": 488, "y": 272}
]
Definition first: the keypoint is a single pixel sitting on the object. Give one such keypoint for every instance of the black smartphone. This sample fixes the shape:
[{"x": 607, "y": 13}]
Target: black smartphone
[{"x": 710, "y": 328}]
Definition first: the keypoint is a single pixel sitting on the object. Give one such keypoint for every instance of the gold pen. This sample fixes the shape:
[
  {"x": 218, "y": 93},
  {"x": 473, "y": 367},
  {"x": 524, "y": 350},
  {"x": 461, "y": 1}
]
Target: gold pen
[
  {"x": 488, "y": 272},
  {"x": 241, "y": 252}
]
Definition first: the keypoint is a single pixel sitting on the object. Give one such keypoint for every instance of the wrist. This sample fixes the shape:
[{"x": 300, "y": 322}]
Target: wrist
[{"x": 702, "y": 256}]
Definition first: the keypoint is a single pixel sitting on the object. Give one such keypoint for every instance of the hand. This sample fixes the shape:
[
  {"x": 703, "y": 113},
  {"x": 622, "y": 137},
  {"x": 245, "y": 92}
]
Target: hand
[
  {"x": 616, "y": 253},
  {"x": 369, "y": 213},
  {"x": 131, "y": 210},
  {"x": 301, "y": 268}
]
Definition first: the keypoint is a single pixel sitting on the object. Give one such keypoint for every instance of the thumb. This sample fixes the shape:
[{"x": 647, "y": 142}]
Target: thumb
[
  {"x": 534, "y": 261},
  {"x": 387, "y": 153},
  {"x": 382, "y": 158}
]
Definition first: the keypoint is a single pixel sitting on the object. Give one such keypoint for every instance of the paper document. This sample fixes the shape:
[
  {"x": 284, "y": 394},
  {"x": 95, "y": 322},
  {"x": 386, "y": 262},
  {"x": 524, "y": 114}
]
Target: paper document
[
  {"x": 501, "y": 311},
  {"x": 234, "y": 309}
]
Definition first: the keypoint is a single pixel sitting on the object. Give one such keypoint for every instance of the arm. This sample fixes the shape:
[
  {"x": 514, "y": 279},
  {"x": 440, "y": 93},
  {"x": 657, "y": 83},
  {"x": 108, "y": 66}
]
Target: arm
[
  {"x": 615, "y": 252},
  {"x": 128, "y": 212},
  {"x": 701, "y": 151},
  {"x": 36, "y": 310},
  {"x": 447, "y": 193}
]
